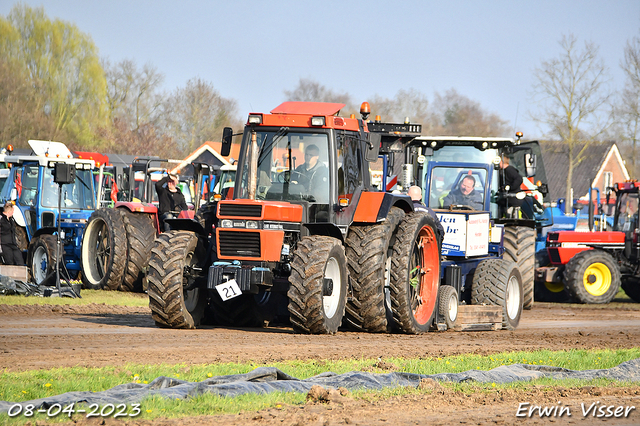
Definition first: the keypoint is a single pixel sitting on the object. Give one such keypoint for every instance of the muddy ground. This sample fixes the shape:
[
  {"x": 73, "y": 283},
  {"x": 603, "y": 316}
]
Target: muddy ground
[{"x": 33, "y": 337}]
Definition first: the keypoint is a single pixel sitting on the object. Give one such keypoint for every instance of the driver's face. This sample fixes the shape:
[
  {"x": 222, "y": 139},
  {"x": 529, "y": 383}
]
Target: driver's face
[
  {"x": 310, "y": 159},
  {"x": 466, "y": 186}
]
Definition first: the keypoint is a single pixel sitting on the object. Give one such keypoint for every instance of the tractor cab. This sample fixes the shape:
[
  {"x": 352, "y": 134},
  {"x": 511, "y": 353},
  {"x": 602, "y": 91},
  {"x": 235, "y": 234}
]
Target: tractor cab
[
  {"x": 305, "y": 154},
  {"x": 626, "y": 212}
]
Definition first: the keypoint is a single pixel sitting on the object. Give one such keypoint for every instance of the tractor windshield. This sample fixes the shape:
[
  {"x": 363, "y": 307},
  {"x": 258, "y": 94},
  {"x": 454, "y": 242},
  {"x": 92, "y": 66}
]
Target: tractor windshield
[
  {"x": 76, "y": 195},
  {"x": 626, "y": 212},
  {"x": 456, "y": 185},
  {"x": 292, "y": 166}
]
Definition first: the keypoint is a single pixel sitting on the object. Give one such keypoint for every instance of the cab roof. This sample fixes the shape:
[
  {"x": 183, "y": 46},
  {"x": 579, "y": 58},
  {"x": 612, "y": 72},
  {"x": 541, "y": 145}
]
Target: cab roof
[{"x": 308, "y": 108}]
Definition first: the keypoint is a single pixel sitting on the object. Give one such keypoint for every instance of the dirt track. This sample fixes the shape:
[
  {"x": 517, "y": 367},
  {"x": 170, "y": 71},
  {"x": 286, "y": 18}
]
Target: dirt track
[{"x": 97, "y": 335}]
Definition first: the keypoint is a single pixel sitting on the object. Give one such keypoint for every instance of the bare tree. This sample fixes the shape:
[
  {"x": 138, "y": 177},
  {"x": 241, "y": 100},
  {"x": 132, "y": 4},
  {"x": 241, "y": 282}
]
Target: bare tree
[
  {"x": 197, "y": 113},
  {"x": 312, "y": 91},
  {"x": 143, "y": 141},
  {"x": 628, "y": 111},
  {"x": 456, "y": 115},
  {"x": 411, "y": 104},
  {"x": 572, "y": 92},
  {"x": 133, "y": 95}
]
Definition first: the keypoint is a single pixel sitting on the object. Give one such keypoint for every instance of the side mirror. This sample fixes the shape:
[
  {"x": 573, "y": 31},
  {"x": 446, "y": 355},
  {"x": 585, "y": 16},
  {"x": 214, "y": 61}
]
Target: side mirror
[
  {"x": 14, "y": 194},
  {"x": 227, "y": 134},
  {"x": 530, "y": 164},
  {"x": 373, "y": 147}
]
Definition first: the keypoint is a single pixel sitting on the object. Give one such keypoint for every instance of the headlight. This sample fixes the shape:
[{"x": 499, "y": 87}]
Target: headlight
[
  {"x": 252, "y": 224},
  {"x": 317, "y": 121},
  {"x": 255, "y": 119},
  {"x": 226, "y": 223}
]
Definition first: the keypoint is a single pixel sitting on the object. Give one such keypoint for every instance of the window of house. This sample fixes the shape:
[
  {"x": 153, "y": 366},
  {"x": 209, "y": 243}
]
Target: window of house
[{"x": 607, "y": 181}]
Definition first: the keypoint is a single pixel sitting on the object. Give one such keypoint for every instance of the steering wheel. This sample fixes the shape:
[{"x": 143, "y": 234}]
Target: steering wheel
[
  {"x": 461, "y": 207},
  {"x": 294, "y": 176}
]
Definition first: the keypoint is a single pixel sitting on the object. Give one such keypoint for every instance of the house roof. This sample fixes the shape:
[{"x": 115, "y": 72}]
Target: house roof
[
  {"x": 205, "y": 150},
  {"x": 556, "y": 161}
]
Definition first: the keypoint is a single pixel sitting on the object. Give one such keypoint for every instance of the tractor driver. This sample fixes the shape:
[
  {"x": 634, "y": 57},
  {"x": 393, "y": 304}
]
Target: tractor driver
[
  {"x": 313, "y": 174},
  {"x": 465, "y": 194}
]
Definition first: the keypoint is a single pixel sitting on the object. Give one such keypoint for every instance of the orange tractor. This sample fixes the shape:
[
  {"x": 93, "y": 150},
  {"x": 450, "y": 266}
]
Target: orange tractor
[
  {"x": 305, "y": 226},
  {"x": 309, "y": 237}
]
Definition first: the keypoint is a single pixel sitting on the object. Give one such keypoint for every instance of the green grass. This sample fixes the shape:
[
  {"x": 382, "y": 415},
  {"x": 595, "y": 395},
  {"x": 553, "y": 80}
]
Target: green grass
[
  {"x": 33, "y": 384},
  {"x": 117, "y": 298}
]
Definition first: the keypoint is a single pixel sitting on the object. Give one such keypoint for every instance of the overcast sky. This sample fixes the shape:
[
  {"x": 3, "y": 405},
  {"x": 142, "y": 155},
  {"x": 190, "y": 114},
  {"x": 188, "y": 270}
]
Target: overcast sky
[{"x": 252, "y": 51}]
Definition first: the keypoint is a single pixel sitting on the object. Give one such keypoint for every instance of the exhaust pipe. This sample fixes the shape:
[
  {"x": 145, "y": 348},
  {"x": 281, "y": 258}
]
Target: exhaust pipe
[{"x": 253, "y": 166}]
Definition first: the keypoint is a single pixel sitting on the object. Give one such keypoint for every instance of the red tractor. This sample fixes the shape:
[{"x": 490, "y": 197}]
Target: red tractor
[
  {"x": 116, "y": 245},
  {"x": 590, "y": 267}
]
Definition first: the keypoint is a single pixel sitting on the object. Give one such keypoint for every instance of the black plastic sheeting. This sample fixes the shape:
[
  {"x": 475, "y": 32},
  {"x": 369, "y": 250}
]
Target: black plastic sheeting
[
  {"x": 264, "y": 380},
  {"x": 9, "y": 286}
]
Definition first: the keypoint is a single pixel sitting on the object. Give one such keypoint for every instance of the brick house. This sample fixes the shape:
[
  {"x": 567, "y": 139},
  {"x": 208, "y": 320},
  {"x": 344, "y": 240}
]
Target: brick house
[{"x": 601, "y": 166}]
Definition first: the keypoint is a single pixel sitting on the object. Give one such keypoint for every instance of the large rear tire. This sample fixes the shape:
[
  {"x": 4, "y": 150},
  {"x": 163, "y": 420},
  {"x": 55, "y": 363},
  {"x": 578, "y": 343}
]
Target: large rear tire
[
  {"x": 173, "y": 300},
  {"x": 42, "y": 259},
  {"x": 317, "y": 285},
  {"x": 104, "y": 250},
  {"x": 140, "y": 235},
  {"x": 498, "y": 282},
  {"x": 592, "y": 276},
  {"x": 415, "y": 273},
  {"x": 368, "y": 248},
  {"x": 520, "y": 247}
]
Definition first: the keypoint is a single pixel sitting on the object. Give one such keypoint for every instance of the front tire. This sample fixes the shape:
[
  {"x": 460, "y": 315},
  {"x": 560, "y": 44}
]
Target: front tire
[
  {"x": 173, "y": 299},
  {"x": 551, "y": 292},
  {"x": 415, "y": 273},
  {"x": 42, "y": 259},
  {"x": 631, "y": 286},
  {"x": 498, "y": 282},
  {"x": 104, "y": 250},
  {"x": 448, "y": 305},
  {"x": 317, "y": 285},
  {"x": 592, "y": 276}
]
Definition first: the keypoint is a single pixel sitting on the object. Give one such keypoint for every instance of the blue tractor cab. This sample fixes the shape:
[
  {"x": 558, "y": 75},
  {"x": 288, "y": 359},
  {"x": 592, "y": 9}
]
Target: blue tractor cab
[{"x": 30, "y": 184}]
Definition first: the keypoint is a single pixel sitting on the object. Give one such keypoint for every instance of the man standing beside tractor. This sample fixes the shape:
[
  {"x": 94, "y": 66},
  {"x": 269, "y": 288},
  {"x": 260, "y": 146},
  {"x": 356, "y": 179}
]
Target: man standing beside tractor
[
  {"x": 11, "y": 254},
  {"x": 510, "y": 181},
  {"x": 170, "y": 199}
]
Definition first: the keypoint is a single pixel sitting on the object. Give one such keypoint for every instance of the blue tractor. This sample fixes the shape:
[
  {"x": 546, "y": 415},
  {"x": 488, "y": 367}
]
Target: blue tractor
[
  {"x": 31, "y": 185},
  {"x": 438, "y": 164},
  {"x": 476, "y": 267},
  {"x": 452, "y": 158}
]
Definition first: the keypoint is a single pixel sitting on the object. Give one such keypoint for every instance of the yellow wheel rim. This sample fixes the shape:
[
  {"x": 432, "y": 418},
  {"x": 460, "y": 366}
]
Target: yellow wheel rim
[
  {"x": 554, "y": 287},
  {"x": 597, "y": 279}
]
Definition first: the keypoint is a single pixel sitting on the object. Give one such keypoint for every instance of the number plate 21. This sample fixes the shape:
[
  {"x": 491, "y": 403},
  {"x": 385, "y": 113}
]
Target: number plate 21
[{"x": 228, "y": 290}]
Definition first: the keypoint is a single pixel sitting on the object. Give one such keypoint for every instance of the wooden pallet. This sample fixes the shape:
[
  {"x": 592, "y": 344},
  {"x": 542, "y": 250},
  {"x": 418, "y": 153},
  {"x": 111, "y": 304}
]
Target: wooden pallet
[
  {"x": 15, "y": 272},
  {"x": 478, "y": 318}
]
